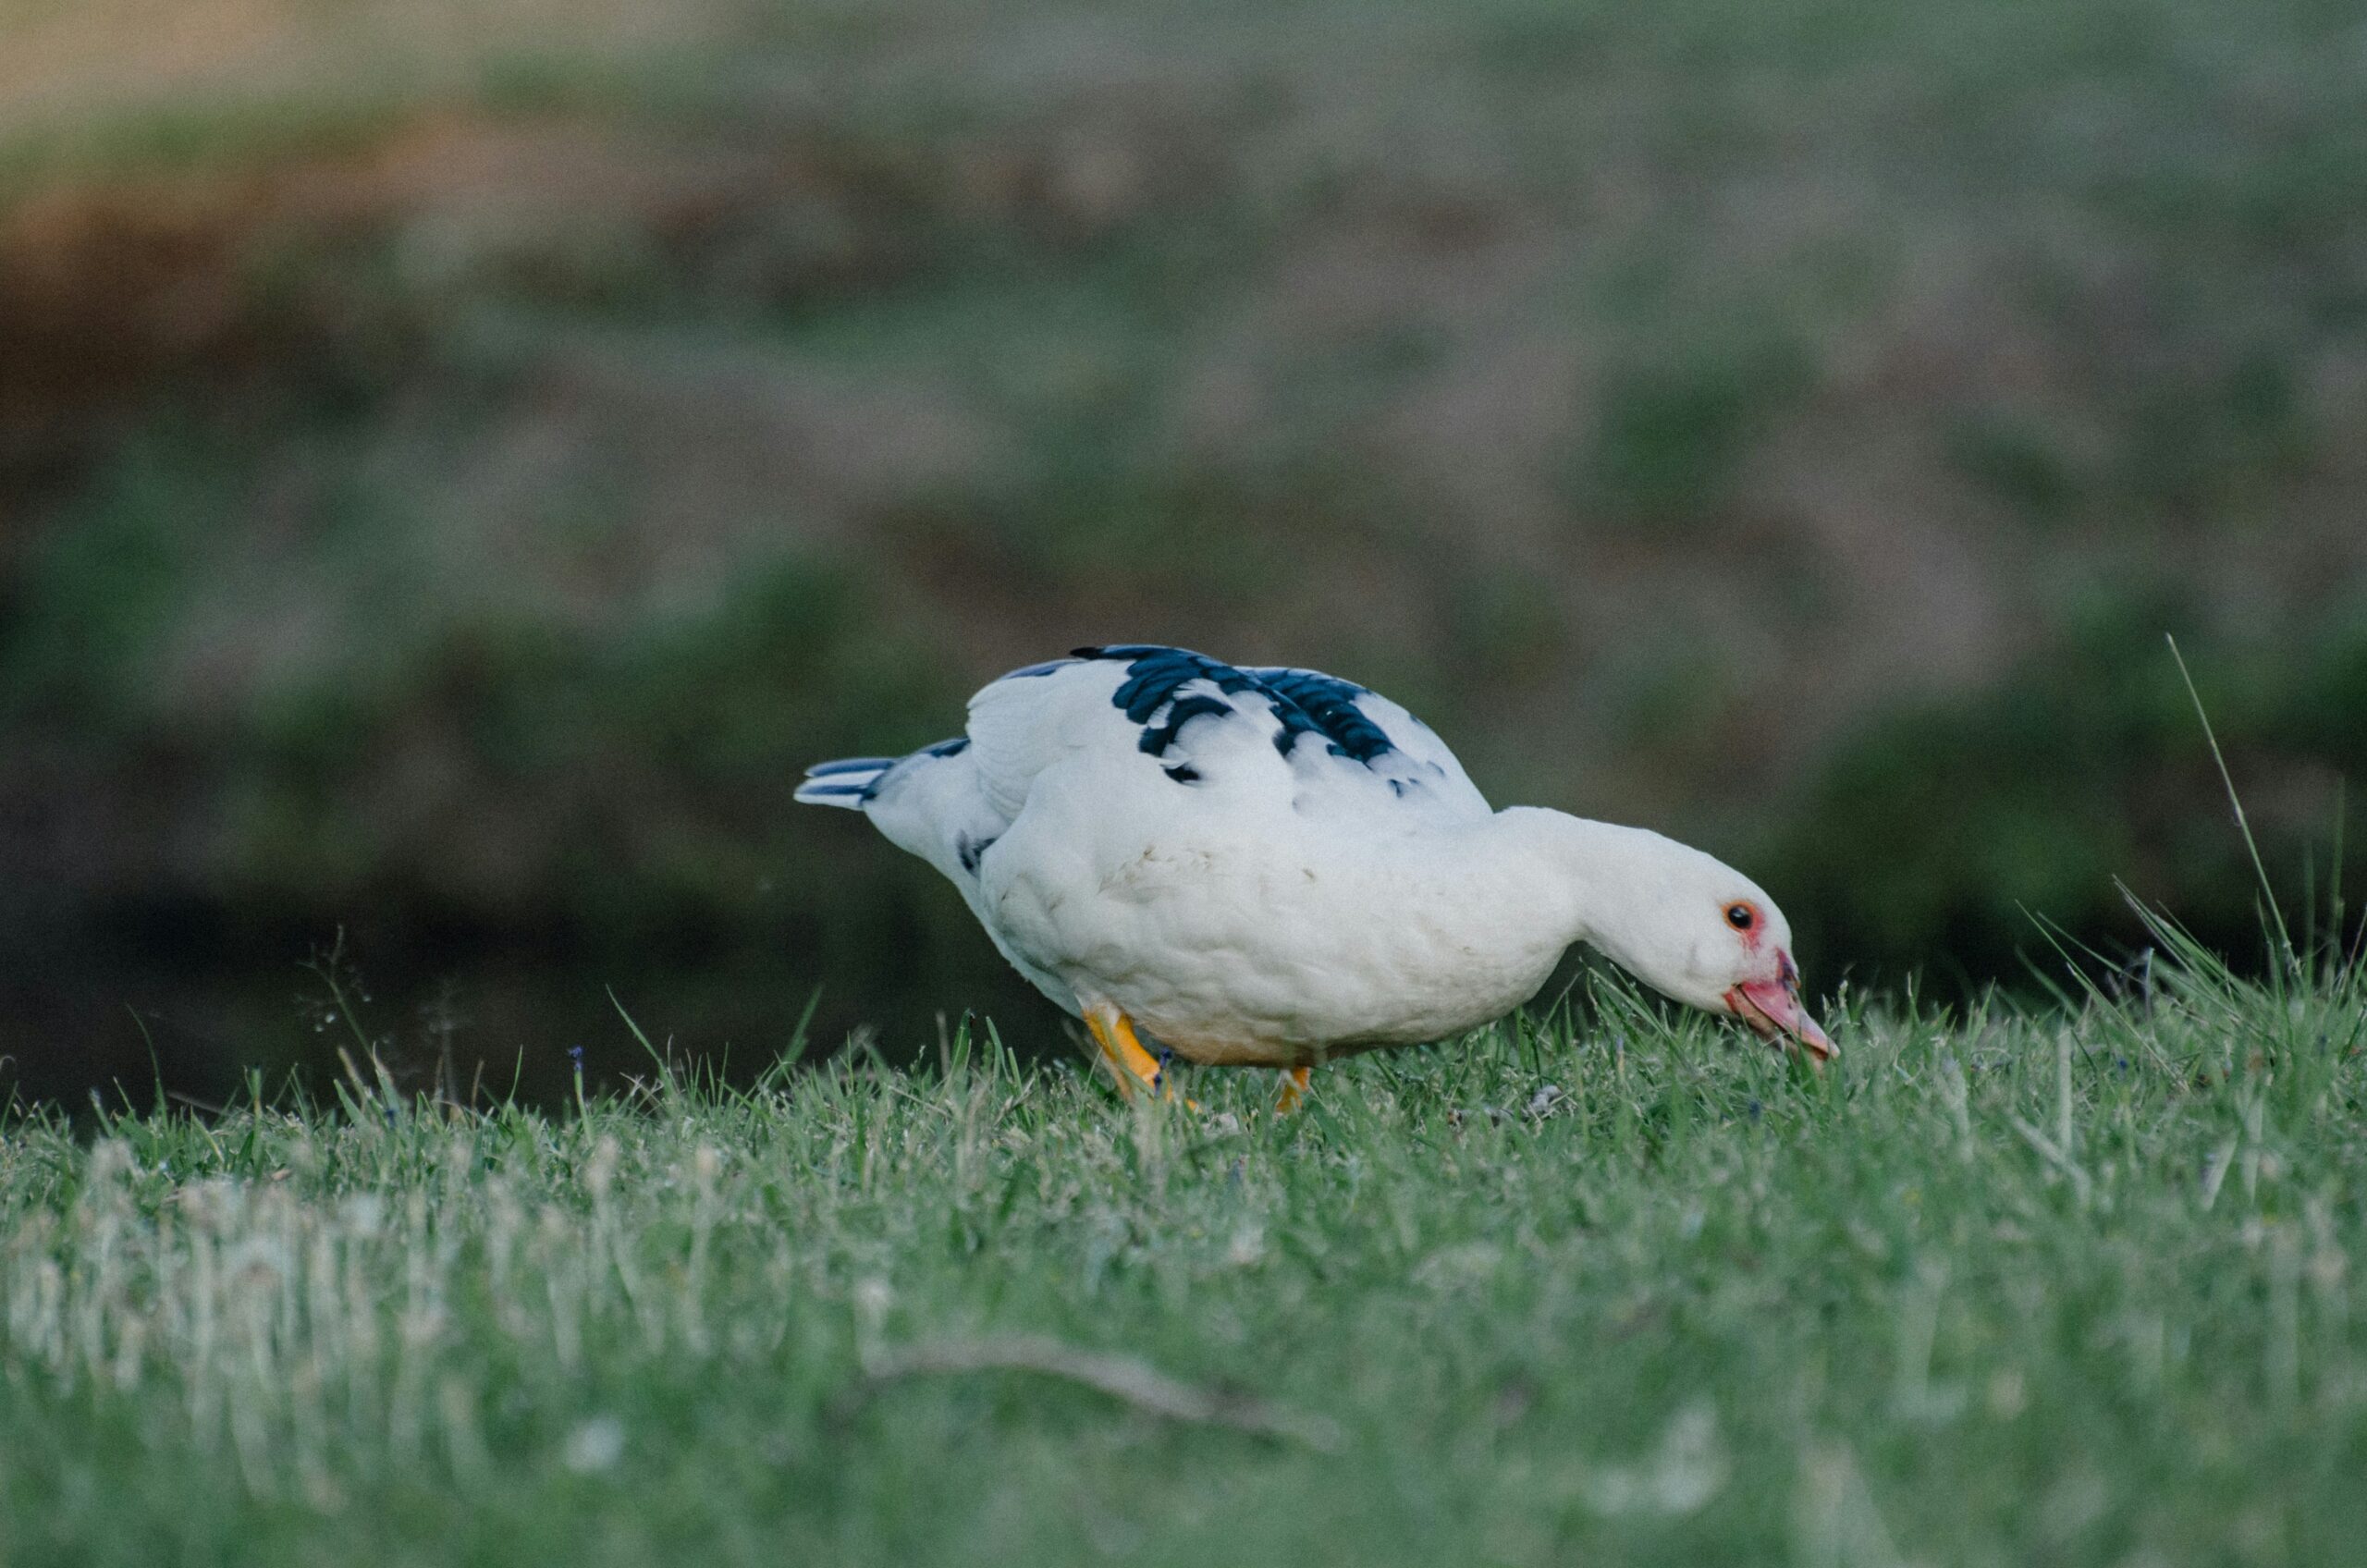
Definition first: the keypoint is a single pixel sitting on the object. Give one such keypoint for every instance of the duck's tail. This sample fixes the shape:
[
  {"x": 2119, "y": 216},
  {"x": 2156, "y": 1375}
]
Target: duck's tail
[{"x": 847, "y": 782}]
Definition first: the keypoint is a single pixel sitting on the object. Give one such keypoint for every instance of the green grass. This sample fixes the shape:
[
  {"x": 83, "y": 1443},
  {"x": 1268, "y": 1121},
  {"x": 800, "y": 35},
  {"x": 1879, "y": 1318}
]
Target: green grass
[{"x": 2063, "y": 1286}]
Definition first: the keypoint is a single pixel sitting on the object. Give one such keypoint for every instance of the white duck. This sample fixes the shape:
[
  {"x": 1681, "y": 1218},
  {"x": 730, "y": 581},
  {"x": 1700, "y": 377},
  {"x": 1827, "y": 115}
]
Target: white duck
[{"x": 1278, "y": 867}]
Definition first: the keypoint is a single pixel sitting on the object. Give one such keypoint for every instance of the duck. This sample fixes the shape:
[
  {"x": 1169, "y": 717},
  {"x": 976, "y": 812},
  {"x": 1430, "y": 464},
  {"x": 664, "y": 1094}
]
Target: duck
[{"x": 1245, "y": 866}]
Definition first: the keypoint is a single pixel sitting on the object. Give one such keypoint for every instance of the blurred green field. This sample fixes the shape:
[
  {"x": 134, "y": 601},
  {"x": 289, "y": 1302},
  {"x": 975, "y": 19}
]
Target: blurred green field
[
  {"x": 2064, "y": 1287},
  {"x": 458, "y": 462}
]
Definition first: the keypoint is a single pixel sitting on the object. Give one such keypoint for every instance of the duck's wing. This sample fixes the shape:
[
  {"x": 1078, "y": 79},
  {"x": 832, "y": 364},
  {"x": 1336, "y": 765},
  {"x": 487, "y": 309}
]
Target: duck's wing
[
  {"x": 1354, "y": 717},
  {"x": 1291, "y": 736}
]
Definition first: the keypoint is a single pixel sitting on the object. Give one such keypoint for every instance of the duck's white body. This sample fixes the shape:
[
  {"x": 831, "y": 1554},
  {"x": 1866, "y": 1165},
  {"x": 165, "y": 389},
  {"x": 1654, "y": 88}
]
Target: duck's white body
[
  {"x": 1261, "y": 935},
  {"x": 1266, "y": 867}
]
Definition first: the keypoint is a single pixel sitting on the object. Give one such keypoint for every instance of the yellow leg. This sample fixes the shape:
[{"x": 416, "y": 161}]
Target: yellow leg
[
  {"x": 1293, "y": 1091},
  {"x": 1128, "y": 1062}
]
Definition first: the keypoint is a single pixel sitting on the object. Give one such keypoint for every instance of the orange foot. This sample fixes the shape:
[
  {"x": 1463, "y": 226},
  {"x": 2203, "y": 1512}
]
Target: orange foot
[
  {"x": 1131, "y": 1066},
  {"x": 1293, "y": 1091}
]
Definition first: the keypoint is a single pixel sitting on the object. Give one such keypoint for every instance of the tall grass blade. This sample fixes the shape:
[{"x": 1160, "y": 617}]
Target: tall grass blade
[{"x": 2243, "y": 824}]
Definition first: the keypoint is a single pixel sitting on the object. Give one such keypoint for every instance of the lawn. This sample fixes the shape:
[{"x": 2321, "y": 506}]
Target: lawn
[{"x": 2001, "y": 1286}]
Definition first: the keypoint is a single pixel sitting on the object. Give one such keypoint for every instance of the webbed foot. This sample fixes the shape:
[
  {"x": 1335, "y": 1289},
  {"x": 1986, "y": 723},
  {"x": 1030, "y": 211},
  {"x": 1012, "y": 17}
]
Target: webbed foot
[{"x": 1130, "y": 1065}]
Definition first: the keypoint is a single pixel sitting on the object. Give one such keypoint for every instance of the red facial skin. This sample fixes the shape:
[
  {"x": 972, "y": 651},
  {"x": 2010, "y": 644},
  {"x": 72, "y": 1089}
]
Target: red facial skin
[{"x": 1772, "y": 1006}]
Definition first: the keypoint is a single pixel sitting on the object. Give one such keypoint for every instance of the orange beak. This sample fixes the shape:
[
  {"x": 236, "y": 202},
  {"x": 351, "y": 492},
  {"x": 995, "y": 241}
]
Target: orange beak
[{"x": 1773, "y": 1008}]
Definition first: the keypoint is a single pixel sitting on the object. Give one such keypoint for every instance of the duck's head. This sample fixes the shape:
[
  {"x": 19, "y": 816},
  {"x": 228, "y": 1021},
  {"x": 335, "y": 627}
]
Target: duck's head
[{"x": 1698, "y": 930}]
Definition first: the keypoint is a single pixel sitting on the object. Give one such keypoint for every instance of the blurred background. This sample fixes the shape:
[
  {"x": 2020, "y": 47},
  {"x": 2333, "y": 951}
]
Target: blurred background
[{"x": 459, "y": 460}]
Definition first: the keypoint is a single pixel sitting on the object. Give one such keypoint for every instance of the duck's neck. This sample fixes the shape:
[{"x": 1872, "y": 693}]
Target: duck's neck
[{"x": 1584, "y": 881}]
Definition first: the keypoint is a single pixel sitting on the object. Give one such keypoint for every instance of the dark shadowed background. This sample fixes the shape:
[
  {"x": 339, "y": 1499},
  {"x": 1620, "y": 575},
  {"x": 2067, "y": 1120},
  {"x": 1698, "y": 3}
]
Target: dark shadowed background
[{"x": 459, "y": 461}]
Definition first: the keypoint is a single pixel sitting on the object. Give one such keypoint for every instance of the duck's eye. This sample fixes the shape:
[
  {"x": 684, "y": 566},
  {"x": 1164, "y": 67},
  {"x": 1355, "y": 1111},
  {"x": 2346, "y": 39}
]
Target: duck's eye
[{"x": 1742, "y": 917}]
